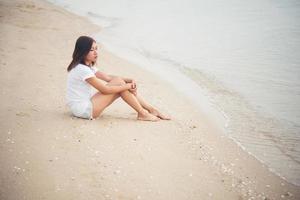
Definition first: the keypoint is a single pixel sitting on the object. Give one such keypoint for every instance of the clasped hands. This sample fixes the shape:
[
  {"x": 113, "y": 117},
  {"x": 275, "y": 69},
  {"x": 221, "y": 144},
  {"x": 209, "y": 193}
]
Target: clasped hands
[{"x": 133, "y": 88}]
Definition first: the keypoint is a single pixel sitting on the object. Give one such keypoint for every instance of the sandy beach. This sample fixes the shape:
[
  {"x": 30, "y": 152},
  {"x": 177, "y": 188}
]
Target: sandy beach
[{"x": 48, "y": 154}]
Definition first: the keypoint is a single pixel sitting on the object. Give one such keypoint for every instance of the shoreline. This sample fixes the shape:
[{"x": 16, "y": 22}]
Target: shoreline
[
  {"x": 48, "y": 154},
  {"x": 269, "y": 139}
]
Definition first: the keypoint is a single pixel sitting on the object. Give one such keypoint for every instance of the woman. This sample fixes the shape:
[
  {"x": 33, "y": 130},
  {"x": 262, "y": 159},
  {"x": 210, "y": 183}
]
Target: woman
[{"x": 82, "y": 76}]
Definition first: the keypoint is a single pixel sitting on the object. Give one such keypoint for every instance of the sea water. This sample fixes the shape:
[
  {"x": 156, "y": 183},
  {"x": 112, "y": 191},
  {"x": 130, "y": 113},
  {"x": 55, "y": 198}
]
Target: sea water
[{"x": 240, "y": 57}]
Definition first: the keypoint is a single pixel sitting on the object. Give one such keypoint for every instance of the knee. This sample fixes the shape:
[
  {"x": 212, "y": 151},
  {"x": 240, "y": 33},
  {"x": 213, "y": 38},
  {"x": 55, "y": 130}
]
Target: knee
[{"x": 117, "y": 80}]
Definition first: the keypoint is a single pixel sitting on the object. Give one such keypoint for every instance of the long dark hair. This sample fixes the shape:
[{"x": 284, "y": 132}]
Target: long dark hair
[{"x": 82, "y": 48}]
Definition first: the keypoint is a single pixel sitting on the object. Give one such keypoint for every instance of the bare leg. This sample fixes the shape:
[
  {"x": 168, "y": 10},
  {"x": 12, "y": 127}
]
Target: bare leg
[
  {"x": 145, "y": 105},
  {"x": 101, "y": 101},
  {"x": 150, "y": 108}
]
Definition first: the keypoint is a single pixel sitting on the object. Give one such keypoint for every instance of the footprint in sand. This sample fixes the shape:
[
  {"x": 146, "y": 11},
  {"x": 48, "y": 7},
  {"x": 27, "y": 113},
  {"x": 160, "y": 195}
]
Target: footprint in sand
[{"x": 22, "y": 114}]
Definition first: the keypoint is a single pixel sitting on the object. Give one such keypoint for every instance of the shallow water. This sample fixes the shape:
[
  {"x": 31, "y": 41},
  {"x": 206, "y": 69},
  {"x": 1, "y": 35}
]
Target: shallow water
[{"x": 244, "y": 57}]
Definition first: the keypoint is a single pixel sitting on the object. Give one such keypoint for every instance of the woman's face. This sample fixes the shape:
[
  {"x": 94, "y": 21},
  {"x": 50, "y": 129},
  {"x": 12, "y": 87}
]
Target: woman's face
[{"x": 92, "y": 55}]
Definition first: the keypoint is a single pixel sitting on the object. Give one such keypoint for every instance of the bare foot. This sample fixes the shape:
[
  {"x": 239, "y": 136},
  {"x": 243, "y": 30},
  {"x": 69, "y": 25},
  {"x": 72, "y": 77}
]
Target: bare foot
[
  {"x": 159, "y": 115},
  {"x": 147, "y": 117}
]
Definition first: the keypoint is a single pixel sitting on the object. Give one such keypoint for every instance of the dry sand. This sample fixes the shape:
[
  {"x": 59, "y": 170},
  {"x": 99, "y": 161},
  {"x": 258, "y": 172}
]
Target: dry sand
[{"x": 48, "y": 154}]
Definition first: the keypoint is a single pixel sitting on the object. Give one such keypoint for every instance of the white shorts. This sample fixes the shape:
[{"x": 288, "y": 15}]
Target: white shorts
[{"x": 82, "y": 109}]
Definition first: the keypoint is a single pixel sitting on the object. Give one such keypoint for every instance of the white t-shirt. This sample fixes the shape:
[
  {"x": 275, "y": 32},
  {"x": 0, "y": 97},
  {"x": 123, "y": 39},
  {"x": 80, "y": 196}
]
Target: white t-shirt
[{"x": 78, "y": 89}]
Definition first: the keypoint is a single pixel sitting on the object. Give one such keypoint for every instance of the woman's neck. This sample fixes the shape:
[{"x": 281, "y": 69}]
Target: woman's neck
[{"x": 87, "y": 63}]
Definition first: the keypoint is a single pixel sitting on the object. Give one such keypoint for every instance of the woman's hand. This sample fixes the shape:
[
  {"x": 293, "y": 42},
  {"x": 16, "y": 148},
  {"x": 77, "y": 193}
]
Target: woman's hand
[
  {"x": 133, "y": 82},
  {"x": 133, "y": 88}
]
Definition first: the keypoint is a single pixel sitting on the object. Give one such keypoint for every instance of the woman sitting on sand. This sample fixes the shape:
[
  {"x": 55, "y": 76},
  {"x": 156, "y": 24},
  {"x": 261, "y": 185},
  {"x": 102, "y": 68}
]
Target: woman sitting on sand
[{"x": 82, "y": 76}]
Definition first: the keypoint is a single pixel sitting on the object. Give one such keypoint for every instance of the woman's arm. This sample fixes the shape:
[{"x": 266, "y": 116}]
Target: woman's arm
[
  {"x": 103, "y": 76},
  {"x": 107, "y": 89}
]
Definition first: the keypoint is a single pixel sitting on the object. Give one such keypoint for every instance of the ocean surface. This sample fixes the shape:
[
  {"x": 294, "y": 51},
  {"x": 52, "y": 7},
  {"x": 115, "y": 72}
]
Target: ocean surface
[{"x": 239, "y": 59}]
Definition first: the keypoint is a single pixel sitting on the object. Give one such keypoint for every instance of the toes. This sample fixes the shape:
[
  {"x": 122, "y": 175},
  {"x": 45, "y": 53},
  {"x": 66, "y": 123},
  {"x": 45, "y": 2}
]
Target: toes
[
  {"x": 149, "y": 117},
  {"x": 161, "y": 116},
  {"x": 165, "y": 117}
]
